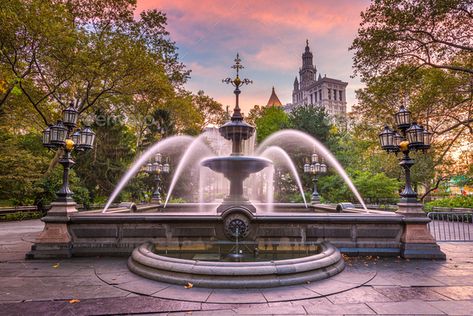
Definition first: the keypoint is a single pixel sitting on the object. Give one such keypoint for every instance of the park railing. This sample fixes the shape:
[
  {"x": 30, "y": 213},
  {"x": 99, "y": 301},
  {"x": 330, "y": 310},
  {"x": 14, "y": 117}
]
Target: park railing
[{"x": 451, "y": 226}]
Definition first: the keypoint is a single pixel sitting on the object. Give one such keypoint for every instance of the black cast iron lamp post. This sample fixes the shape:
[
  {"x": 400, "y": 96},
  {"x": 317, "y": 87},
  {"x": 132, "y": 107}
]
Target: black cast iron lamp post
[
  {"x": 62, "y": 135},
  {"x": 410, "y": 137},
  {"x": 315, "y": 168},
  {"x": 156, "y": 168}
]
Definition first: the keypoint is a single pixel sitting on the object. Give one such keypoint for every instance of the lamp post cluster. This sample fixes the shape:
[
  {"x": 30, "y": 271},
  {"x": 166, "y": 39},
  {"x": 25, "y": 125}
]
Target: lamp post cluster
[
  {"x": 409, "y": 136},
  {"x": 64, "y": 135},
  {"x": 315, "y": 168},
  {"x": 156, "y": 167}
]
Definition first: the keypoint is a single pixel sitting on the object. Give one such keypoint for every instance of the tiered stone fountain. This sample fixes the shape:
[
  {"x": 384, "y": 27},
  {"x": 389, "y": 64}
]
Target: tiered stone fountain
[{"x": 238, "y": 246}]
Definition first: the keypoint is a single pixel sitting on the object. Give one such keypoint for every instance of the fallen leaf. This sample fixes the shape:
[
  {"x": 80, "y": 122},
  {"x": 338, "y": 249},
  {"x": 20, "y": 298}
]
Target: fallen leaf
[
  {"x": 188, "y": 285},
  {"x": 73, "y": 301},
  {"x": 56, "y": 265}
]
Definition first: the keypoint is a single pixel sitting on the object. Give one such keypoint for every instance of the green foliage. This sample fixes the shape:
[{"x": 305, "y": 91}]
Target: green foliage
[
  {"x": 451, "y": 202},
  {"x": 311, "y": 119},
  {"x": 271, "y": 120},
  {"x": 177, "y": 200},
  {"x": 49, "y": 185},
  {"x": 426, "y": 62},
  {"x": 19, "y": 216},
  {"x": 211, "y": 110},
  {"x": 101, "y": 169},
  {"x": 22, "y": 164},
  {"x": 373, "y": 187}
]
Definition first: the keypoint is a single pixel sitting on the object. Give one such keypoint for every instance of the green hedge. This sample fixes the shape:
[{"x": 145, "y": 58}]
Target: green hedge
[
  {"x": 458, "y": 201},
  {"x": 19, "y": 216}
]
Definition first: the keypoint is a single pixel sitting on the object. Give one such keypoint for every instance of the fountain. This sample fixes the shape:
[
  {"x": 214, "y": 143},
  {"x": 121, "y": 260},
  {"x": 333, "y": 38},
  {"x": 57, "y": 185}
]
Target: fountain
[
  {"x": 238, "y": 242},
  {"x": 236, "y": 167}
]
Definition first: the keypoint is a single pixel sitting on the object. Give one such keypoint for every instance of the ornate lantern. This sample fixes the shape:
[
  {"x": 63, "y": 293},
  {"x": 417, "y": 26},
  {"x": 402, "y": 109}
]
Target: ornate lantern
[
  {"x": 76, "y": 138},
  {"x": 166, "y": 168},
  {"x": 87, "y": 137},
  {"x": 386, "y": 138},
  {"x": 415, "y": 136},
  {"x": 323, "y": 168},
  {"x": 58, "y": 134},
  {"x": 397, "y": 139},
  {"x": 306, "y": 168},
  {"x": 403, "y": 118},
  {"x": 315, "y": 158},
  {"x": 47, "y": 138},
  {"x": 70, "y": 116},
  {"x": 427, "y": 139}
]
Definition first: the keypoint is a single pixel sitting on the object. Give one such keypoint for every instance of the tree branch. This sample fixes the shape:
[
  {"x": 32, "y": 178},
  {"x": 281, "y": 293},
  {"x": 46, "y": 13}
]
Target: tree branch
[{"x": 434, "y": 188}]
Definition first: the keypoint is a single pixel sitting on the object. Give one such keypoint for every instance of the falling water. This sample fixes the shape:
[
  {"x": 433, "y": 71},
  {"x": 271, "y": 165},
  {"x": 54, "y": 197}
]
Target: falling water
[
  {"x": 163, "y": 145},
  {"x": 275, "y": 152},
  {"x": 301, "y": 138},
  {"x": 187, "y": 159}
]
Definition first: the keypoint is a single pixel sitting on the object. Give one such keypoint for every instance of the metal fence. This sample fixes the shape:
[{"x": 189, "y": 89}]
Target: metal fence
[{"x": 451, "y": 226}]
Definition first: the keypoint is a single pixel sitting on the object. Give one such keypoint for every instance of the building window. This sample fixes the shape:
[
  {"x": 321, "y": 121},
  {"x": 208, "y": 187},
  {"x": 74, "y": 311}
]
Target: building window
[
  {"x": 341, "y": 95},
  {"x": 335, "y": 94},
  {"x": 320, "y": 95},
  {"x": 330, "y": 94}
]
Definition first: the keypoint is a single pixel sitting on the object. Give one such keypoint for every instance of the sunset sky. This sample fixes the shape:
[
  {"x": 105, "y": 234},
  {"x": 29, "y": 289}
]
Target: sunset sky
[{"x": 270, "y": 37}]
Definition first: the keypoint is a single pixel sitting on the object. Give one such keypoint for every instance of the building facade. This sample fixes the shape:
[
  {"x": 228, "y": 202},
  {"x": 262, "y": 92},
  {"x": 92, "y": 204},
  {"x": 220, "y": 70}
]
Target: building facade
[{"x": 312, "y": 88}]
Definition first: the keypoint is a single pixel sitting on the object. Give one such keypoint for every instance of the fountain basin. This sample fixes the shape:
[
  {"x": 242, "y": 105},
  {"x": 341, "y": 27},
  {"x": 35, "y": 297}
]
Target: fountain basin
[
  {"x": 236, "y": 165},
  {"x": 216, "y": 274}
]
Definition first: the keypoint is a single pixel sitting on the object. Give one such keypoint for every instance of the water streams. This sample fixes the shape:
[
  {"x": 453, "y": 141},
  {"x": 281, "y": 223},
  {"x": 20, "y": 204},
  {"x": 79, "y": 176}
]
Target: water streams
[
  {"x": 301, "y": 140},
  {"x": 276, "y": 148},
  {"x": 161, "y": 146},
  {"x": 279, "y": 156}
]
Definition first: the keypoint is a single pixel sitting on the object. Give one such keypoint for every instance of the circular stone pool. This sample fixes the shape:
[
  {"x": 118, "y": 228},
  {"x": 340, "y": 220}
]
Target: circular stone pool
[{"x": 326, "y": 262}]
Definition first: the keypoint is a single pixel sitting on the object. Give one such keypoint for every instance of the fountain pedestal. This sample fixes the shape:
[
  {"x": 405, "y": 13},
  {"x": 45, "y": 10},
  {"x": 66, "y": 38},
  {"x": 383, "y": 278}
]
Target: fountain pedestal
[{"x": 236, "y": 169}]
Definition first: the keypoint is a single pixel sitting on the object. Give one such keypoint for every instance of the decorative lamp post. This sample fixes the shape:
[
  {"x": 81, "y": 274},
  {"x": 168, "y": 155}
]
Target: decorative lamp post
[
  {"x": 416, "y": 240},
  {"x": 410, "y": 137},
  {"x": 63, "y": 135},
  {"x": 156, "y": 168},
  {"x": 315, "y": 168},
  {"x": 55, "y": 240}
]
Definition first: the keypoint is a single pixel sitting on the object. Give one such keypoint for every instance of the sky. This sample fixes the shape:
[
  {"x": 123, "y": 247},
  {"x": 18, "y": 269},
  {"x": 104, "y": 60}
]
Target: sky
[{"x": 270, "y": 37}]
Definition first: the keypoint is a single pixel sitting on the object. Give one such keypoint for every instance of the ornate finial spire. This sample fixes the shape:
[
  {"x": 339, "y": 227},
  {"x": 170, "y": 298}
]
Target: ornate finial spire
[
  {"x": 237, "y": 83},
  {"x": 306, "y": 42}
]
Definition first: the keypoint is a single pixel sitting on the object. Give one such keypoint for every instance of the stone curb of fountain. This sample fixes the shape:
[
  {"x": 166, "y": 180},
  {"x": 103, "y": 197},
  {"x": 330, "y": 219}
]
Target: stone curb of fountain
[{"x": 130, "y": 282}]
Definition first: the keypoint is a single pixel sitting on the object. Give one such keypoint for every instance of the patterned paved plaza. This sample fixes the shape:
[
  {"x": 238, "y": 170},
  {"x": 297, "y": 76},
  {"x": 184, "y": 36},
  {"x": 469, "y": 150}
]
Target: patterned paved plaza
[{"x": 104, "y": 286}]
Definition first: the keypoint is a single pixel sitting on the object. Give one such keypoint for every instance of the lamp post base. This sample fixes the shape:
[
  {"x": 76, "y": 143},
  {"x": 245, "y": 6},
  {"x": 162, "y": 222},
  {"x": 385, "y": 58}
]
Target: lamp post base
[
  {"x": 156, "y": 200},
  {"x": 315, "y": 199},
  {"x": 54, "y": 241},
  {"x": 416, "y": 240}
]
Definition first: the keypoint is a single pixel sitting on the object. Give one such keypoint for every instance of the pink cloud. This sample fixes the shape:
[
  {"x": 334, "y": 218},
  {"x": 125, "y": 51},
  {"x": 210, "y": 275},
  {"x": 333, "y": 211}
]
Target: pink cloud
[{"x": 270, "y": 36}]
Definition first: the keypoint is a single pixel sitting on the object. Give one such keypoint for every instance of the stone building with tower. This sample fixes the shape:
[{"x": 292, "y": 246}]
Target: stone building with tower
[{"x": 312, "y": 88}]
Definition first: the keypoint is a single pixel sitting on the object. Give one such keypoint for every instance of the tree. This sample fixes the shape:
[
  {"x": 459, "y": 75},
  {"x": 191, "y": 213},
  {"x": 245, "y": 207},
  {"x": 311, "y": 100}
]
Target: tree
[
  {"x": 374, "y": 187},
  {"x": 101, "y": 169},
  {"x": 22, "y": 164},
  {"x": 436, "y": 34},
  {"x": 311, "y": 119},
  {"x": 418, "y": 53},
  {"x": 254, "y": 114},
  {"x": 211, "y": 110},
  {"x": 271, "y": 120},
  {"x": 90, "y": 52}
]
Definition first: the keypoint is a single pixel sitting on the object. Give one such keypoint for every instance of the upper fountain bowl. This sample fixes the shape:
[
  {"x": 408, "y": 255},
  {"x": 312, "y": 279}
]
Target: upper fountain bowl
[{"x": 243, "y": 165}]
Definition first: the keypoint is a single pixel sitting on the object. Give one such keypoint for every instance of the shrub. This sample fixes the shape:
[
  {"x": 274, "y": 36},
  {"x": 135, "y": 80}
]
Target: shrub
[
  {"x": 19, "y": 216},
  {"x": 458, "y": 201}
]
